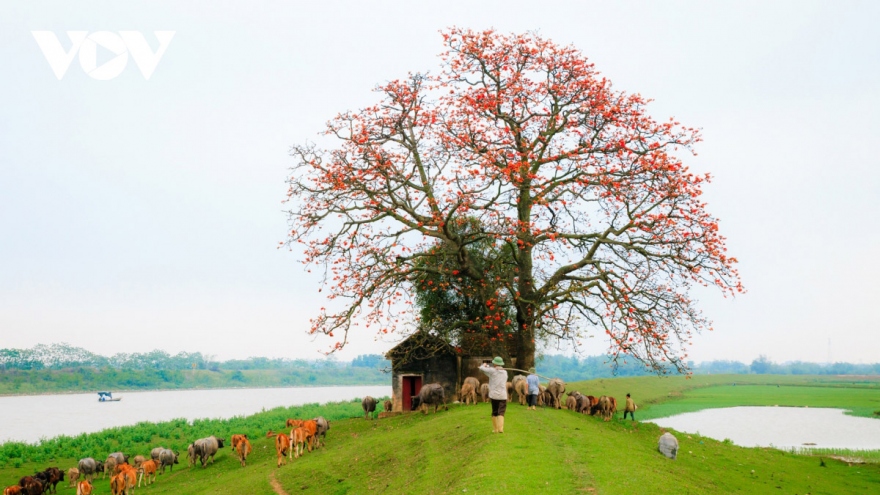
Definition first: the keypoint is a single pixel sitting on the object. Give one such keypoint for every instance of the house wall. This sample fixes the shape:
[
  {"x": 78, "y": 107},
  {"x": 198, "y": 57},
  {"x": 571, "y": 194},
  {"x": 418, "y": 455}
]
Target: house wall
[{"x": 437, "y": 369}]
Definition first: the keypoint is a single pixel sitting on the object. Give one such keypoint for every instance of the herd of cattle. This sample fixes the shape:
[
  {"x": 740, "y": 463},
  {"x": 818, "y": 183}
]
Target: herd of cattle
[
  {"x": 432, "y": 394},
  {"x": 305, "y": 435},
  {"x": 124, "y": 477}
]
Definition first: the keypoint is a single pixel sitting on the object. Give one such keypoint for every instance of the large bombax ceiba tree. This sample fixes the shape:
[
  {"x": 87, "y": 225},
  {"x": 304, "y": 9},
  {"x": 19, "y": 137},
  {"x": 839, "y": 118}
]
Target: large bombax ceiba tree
[{"x": 597, "y": 225}]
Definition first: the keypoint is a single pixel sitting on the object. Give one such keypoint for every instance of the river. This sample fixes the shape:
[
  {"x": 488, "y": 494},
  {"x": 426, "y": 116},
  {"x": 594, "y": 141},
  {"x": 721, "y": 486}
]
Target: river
[
  {"x": 780, "y": 427},
  {"x": 33, "y": 417}
]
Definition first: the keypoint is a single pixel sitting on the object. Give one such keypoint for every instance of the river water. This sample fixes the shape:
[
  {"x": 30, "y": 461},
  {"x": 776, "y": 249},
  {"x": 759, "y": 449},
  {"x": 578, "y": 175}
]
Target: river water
[
  {"x": 33, "y": 417},
  {"x": 781, "y": 427}
]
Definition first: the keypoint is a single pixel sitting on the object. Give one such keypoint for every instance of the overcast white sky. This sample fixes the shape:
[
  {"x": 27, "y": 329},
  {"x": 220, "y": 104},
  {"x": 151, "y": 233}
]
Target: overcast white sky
[{"x": 138, "y": 214}]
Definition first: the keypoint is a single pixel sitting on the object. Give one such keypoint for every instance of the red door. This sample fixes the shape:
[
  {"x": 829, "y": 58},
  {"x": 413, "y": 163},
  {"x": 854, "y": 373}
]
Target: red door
[{"x": 411, "y": 386}]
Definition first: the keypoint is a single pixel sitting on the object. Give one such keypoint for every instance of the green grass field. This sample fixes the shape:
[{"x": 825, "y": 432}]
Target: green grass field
[{"x": 545, "y": 451}]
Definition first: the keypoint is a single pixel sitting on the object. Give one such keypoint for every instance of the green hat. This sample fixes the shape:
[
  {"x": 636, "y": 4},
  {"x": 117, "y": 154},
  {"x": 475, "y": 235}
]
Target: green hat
[
  {"x": 532, "y": 370},
  {"x": 498, "y": 361}
]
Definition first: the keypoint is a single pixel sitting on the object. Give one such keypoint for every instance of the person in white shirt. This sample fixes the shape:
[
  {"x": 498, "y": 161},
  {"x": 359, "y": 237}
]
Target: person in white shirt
[{"x": 497, "y": 391}]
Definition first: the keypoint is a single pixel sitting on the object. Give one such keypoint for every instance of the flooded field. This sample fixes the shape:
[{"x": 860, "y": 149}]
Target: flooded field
[
  {"x": 29, "y": 418},
  {"x": 781, "y": 427}
]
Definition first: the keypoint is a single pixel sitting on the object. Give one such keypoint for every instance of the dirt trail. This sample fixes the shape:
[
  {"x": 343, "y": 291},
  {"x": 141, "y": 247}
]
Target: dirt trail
[{"x": 276, "y": 485}]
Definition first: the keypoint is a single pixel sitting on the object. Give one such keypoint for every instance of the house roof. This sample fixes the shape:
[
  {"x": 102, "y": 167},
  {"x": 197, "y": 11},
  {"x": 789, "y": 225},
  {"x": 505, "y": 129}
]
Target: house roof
[{"x": 420, "y": 345}]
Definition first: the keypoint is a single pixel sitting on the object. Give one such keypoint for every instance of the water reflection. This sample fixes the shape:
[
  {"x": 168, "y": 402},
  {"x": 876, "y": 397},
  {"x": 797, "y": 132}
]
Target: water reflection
[
  {"x": 781, "y": 427},
  {"x": 29, "y": 418}
]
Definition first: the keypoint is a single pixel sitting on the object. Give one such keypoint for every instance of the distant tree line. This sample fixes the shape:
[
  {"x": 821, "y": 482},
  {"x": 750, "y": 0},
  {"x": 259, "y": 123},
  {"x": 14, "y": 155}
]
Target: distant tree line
[
  {"x": 65, "y": 356},
  {"x": 573, "y": 368}
]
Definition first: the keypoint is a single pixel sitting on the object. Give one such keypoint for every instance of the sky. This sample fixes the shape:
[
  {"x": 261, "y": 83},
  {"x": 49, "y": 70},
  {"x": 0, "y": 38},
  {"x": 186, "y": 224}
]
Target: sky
[{"x": 145, "y": 213}]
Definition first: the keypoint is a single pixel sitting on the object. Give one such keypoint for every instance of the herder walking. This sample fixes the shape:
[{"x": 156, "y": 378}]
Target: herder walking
[{"x": 630, "y": 408}]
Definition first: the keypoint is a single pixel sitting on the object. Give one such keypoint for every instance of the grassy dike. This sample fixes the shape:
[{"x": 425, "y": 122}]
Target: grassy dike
[{"x": 541, "y": 451}]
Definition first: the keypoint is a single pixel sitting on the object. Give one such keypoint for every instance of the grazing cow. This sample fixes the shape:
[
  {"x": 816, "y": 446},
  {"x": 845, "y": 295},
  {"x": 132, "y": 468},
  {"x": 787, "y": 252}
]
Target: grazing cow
[
  {"x": 323, "y": 428},
  {"x": 612, "y": 406},
  {"x": 12, "y": 490},
  {"x": 594, "y": 405},
  {"x": 388, "y": 405},
  {"x": 130, "y": 475},
  {"x": 585, "y": 404},
  {"x": 235, "y": 439},
  {"x": 169, "y": 458},
  {"x": 50, "y": 478},
  {"x": 509, "y": 391},
  {"x": 120, "y": 457},
  {"x": 571, "y": 403},
  {"x": 668, "y": 445},
  {"x": 521, "y": 387},
  {"x": 138, "y": 460},
  {"x": 292, "y": 422},
  {"x": 207, "y": 447},
  {"x": 468, "y": 394},
  {"x": 117, "y": 484},
  {"x": 546, "y": 398},
  {"x": 190, "y": 455},
  {"x": 605, "y": 408},
  {"x": 298, "y": 438},
  {"x": 556, "y": 387},
  {"x": 154, "y": 454},
  {"x": 432, "y": 394},
  {"x": 88, "y": 467},
  {"x": 148, "y": 469},
  {"x": 242, "y": 447},
  {"x": 369, "y": 405},
  {"x": 109, "y": 467},
  {"x": 475, "y": 382},
  {"x": 311, "y": 428},
  {"x": 73, "y": 476},
  {"x": 30, "y": 486},
  {"x": 484, "y": 392},
  {"x": 83, "y": 488},
  {"x": 282, "y": 447}
]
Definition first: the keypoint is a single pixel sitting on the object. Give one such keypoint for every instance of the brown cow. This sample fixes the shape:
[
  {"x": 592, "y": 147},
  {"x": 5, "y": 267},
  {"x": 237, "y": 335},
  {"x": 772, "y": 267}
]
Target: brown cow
[
  {"x": 84, "y": 488},
  {"x": 30, "y": 486},
  {"x": 605, "y": 408},
  {"x": 242, "y": 447},
  {"x": 473, "y": 381},
  {"x": 311, "y": 427},
  {"x": 130, "y": 474},
  {"x": 298, "y": 438},
  {"x": 556, "y": 387},
  {"x": 117, "y": 484},
  {"x": 388, "y": 405},
  {"x": 138, "y": 460},
  {"x": 73, "y": 476},
  {"x": 12, "y": 490},
  {"x": 282, "y": 447},
  {"x": 484, "y": 392},
  {"x": 109, "y": 467},
  {"x": 522, "y": 388},
  {"x": 509, "y": 391},
  {"x": 468, "y": 394},
  {"x": 571, "y": 403},
  {"x": 148, "y": 469}
]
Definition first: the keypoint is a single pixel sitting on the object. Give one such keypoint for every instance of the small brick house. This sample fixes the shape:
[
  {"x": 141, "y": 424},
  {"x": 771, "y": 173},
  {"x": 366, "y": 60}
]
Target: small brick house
[{"x": 423, "y": 359}]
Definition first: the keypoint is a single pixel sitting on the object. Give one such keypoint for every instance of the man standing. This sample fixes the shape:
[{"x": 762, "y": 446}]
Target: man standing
[
  {"x": 497, "y": 391},
  {"x": 630, "y": 408},
  {"x": 532, "y": 381}
]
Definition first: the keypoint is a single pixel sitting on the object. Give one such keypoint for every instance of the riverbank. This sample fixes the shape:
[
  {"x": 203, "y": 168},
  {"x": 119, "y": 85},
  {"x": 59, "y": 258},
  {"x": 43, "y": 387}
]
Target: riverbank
[
  {"x": 80, "y": 380},
  {"x": 25, "y": 417}
]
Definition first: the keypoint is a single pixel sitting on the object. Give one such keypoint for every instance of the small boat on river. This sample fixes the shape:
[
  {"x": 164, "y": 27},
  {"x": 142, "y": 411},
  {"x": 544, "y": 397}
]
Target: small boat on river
[{"x": 107, "y": 397}]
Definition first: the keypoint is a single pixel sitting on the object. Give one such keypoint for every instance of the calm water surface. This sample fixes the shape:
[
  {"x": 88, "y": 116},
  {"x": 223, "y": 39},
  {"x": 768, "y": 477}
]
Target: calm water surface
[
  {"x": 781, "y": 427},
  {"x": 30, "y": 418}
]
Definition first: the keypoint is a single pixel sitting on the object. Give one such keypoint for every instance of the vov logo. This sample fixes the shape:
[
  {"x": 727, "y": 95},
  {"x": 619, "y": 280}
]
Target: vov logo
[{"x": 86, "y": 45}]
